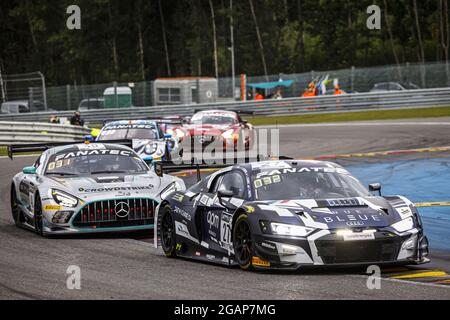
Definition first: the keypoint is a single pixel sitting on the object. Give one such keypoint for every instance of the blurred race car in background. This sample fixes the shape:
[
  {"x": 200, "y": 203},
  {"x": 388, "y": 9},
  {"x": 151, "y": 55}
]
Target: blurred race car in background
[
  {"x": 87, "y": 188},
  {"x": 288, "y": 214},
  {"x": 225, "y": 128},
  {"x": 149, "y": 140}
]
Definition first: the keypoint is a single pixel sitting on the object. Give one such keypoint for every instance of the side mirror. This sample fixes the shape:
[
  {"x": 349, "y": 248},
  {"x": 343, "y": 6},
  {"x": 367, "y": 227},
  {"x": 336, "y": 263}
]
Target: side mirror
[
  {"x": 224, "y": 194},
  {"x": 29, "y": 170},
  {"x": 167, "y": 136},
  {"x": 375, "y": 187}
]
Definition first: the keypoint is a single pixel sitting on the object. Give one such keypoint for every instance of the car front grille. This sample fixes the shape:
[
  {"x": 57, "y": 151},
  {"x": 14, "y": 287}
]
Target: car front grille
[
  {"x": 202, "y": 140},
  {"x": 336, "y": 252},
  {"x": 116, "y": 213}
]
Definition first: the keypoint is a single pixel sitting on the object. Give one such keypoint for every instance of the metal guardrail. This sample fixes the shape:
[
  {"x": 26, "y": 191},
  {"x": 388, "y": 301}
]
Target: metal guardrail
[
  {"x": 291, "y": 106},
  {"x": 26, "y": 132}
]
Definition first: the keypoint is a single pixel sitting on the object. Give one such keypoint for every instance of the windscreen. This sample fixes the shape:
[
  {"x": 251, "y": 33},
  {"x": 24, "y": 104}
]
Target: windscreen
[
  {"x": 306, "y": 183},
  {"x": 128, "y": 132},
  {"x": 218, "y": 119},
  {"x": 89, "y": 162}
]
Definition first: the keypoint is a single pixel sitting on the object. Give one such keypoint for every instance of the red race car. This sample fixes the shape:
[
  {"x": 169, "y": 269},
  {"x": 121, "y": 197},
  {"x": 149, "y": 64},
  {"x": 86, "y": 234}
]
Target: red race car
[{"x": 218, "y": 126}]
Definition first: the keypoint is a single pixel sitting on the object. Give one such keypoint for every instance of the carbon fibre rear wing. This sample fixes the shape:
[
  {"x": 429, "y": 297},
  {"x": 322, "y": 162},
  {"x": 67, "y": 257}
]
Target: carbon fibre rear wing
[
  {"x": 161, "y": 120},
  {"x": 41, "y": 147},
  {"x": 168, "y": 167},
  {"x": 239, "y": 112}
]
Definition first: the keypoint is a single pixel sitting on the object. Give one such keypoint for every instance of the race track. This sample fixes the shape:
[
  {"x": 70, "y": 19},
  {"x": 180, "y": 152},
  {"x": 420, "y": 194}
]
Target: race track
[{"x": 124, "y": 268}]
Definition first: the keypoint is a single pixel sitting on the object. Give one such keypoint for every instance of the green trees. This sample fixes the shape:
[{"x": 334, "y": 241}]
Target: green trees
[{"x": 144, "y": 39}]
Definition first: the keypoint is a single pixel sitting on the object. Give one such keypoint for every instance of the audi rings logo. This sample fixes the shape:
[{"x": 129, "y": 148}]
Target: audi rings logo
[
  {"x": 122, "y": 210},
  {"x": 355, "y": 224}
]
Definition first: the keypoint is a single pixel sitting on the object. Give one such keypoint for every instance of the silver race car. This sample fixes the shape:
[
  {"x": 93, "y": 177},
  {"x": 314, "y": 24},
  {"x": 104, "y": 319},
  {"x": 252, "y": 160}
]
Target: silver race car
[
  {"x": 149, "y": 140},
  {"x": 87, "y": 188}
]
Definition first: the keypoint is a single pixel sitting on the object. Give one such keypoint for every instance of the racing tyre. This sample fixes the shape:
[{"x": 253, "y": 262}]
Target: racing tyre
[
  {"x": 38, "y": 219},
  {"x": 243, "y": 242},
  {"x": 167, "y": 232},
  {"x": 15, "y": 210}
]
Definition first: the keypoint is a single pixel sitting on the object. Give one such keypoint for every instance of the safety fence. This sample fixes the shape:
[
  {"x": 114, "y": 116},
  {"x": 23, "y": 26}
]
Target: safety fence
[
  {"x": 353, "y": 79},
  {"x": 282, "y": 107},
  {"x": 29, "y": 132}
]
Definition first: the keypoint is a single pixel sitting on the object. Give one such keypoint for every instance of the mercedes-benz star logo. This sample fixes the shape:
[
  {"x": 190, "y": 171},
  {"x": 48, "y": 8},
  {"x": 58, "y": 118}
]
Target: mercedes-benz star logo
[{"x": 122, "y": 209}]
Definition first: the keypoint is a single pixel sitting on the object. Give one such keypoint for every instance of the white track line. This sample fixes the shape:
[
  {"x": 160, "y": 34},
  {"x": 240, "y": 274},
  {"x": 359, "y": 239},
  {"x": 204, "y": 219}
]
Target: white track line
[{"x": 356, "y": 124}]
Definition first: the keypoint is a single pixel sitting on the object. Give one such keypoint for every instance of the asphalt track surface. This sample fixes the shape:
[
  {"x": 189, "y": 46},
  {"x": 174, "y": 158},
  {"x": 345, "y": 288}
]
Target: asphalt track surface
[{"x": 121, "y": 267}]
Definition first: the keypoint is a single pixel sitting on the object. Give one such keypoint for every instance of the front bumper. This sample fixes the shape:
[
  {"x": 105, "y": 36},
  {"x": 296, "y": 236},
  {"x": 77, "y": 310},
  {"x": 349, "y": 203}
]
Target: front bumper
[
  {"x": 61, "y": 230},
  {"x": 326, "y": 248},
  {"x": 101, "y": 217}
]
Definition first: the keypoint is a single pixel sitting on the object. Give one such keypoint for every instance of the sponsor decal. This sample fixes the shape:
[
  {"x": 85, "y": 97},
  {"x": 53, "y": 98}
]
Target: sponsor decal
[
  {"x": 129, "y": 126},
  {"x": 213, "y": 220},
  {"x": 182, "y": 213},
  {"x": 359, "y": 236},
  {"x": 210, "y": 257},
  {"x": 52, "y": 207},
  {"x": 204, "y": 200},
  {"x": 353, "y": 220},
  {"x": 85, "y": 153},
  {"x": 249, "y": 209},
  {"x": 178, "y": 197},
  {"x": 340, "y": 203},
  {"x": 257, "y": 261},
  {"x": 302, "y": 170},
  {"x": 117, "y": 189},
  {"x": 179, "y": 247},
  {"x": 91, "y": 146}
]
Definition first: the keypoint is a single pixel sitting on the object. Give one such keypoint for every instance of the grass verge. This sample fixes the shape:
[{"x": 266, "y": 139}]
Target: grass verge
[{"x": 354, "y": 116}]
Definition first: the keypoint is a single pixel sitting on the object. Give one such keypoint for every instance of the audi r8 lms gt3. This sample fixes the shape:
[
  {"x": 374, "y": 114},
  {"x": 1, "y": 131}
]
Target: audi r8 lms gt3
[
  {"x": 149, "y": 141},
  {"x": 86, "y": 188},
  {"x": 288, "y": 214},
  {"x": 221, "y": 128}
]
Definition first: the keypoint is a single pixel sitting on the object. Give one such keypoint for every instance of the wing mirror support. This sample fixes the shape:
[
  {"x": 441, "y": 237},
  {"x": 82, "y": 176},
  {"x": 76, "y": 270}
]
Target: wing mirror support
[
  {"x": 224, "y": 194},
  {"x": 375, "y": 187},
  {"x": 158, "y": 169}
]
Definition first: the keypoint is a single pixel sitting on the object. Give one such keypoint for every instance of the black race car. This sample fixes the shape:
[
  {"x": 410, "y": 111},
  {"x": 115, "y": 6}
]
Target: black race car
[{"x": 287, "y": 214}]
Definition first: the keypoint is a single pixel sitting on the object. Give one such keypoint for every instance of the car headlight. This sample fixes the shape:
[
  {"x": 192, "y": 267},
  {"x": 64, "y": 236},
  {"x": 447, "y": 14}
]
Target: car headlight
[
  {"x": 64, "y": 199},
  {"x": 151, "y": 148},
  {"x": 290, "y": 230},
  {"x": 180, "y": 134},
  {"x": 404, "y": 225},
  {"x": 230, "y": 135},
  {"x": 175, "y": 186}
]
